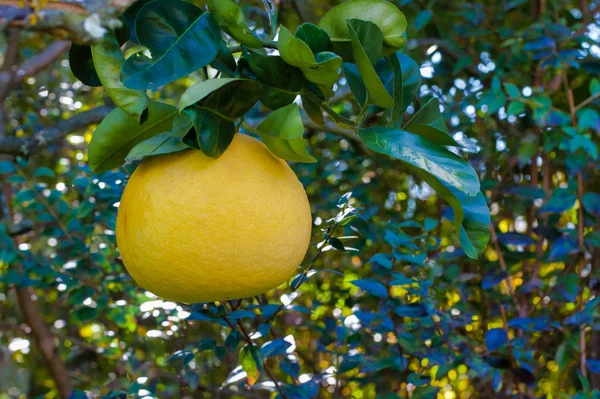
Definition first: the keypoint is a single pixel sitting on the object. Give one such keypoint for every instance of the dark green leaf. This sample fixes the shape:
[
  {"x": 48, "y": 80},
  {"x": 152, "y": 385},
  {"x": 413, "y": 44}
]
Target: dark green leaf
[
  {"x": 407, "y": 81},
  {"x": 316, "y": 38},
  {"x": 388, "y": 18},
  {"x": 230, "y": 97},
  {"x": 512, "y": 90},
  {"x": 282, "y": 132},
  {"x": 7, "y": 167},
  {"x": 357, "y": 85},
  {"x": 164, "y": 143},
  {"x": 422, "y": 19},
  {"x": 377, "y": 93},
  {"x": 82, "y": 65},
  {"x": 181, "y": 357},
  {"x": 281, "y": 81},
  {"x": 224, "y": 62},
  {"x": 119, "y": 133},
  {"x": 108, "y": 61},
  {"x": 212, "y": 133},
  {"x": 231, "y": 17},
  {"x": 372, "y": 286},
  {"x": 271, "y": 9},
  {"x": 313, "y": 111},
  {"x": 432, "y": 134},
  {"x": 181, "y": 39}
]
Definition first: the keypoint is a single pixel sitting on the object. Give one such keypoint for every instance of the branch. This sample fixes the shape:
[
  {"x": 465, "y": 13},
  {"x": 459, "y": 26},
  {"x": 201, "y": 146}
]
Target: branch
[
  {"x": 82, "y": 21},
  {"x": 27, "y": 146},
  {"x": 45, "y": 341},
  {"x": 332, "y": 128}
]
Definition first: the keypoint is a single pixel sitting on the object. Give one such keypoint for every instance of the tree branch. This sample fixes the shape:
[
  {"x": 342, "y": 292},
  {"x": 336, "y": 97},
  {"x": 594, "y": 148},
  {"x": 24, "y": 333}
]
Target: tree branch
[
  {"x": 32, "y": 66},
  {"x": 27, "y": 146},
  {"x": 82, "y": 21},
  {"x": 45, "y": 341}
]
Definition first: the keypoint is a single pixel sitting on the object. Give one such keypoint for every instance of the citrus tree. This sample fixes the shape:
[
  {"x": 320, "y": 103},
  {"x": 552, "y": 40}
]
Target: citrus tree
[{"x": 191, "y": 282}]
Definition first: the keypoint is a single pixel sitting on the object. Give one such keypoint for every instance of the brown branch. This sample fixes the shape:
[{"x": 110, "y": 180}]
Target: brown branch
[
  {"x": 50, "y": 5},
  {"x": 44, "y": 340},
  {"x": 30, "y": 145}
]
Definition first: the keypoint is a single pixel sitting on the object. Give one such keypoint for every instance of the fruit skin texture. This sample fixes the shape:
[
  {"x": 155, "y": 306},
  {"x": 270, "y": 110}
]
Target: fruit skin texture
[{"x": 196, "y": 229}]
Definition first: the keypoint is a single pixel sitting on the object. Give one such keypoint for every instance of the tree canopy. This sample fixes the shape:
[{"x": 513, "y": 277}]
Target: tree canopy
[{"x": 449, "y": 151}]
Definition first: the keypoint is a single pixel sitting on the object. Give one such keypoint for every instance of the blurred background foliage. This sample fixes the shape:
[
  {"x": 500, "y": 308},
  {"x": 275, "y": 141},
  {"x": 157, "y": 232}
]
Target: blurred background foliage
[{"x": 396, "y": 312}]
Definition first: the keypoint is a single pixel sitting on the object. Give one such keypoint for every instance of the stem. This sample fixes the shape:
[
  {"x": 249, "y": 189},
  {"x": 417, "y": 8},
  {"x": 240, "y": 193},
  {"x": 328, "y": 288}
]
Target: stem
[
  {"x": 345, "y": 122},
  {"x": 363, "y": 112},
  {"x": 248, "y": 340},
  {"x": 266, "y": 44}
]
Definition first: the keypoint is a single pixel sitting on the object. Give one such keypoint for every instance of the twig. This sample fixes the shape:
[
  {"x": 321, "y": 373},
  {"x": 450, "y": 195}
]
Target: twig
[{"x": 248, "y": 340}]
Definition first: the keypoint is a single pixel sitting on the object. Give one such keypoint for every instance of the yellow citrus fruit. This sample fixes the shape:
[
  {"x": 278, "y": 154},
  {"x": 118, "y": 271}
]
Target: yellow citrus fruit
[{"x": 195, "y": 229}]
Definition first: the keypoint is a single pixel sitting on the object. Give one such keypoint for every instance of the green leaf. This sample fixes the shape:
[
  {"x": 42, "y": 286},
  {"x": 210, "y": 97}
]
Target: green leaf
[
  {"x": 588, "y": 119},
  {"x": 377, "y": 93},
  {"x": 44, "y": 172},
  {"x": 512, "y": 90},
  {"x": 432, "y": 134},
  {"x": 224, "y": 62},
  {"x": 180, "y": 38},
  {"x": 230, "y": 97},
  {"x": 161, "y": 144},
  {"x": 82, "y": 65},
  {"x": 388, "y": 18},
  {"x": 424, "y": 155},
  {"x": 118, "y": 133},
  {"x": 316, "y": 38},
  {"x": 515, "y": 108},
  {"x": 108, "y": 61},
  {"x": 282, "y": 132},
  {"x": 322, "y": 69},
  {"x": 357, "y": 85},
  {"x": 231, "y": 17},
  {"x": 422, "y": 19},
  {"x": 430, "y": 115},
  {"x": 595, "y": 87},
  {"x": 271, "y": 9},
  {"x": 251, "y": 363},
  {"x": 313, "y": 111},
  {"x": 7, "y": 167},
  {"x": 407, "y": 81},
  {"x": 212, "y": 133},
  {"x": 281, "y": 81},
  {"x": 471, "y": 214}
]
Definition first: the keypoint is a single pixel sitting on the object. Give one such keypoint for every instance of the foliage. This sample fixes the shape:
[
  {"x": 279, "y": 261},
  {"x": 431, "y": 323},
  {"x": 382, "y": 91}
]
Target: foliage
[{"x": 404, "y": 119}]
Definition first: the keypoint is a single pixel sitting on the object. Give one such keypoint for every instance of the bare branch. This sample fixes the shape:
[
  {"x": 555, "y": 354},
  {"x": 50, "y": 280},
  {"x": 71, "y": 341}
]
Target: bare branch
[{"x": 27, "y": 146}]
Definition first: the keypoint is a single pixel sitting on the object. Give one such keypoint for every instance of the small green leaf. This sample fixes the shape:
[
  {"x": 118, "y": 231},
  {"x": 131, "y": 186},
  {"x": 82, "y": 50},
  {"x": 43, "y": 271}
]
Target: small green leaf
[
  {"x": 212, "y": 133},
  {"x": 118, "y": 133},
  {"x": 515, "y": 108},
  {"x": 44, "y": 172},
  {"x": 407, "y": 82},
  {"x": 313, "y": 111},
  {"x": 231, "y": 17},
  {"x": 251, "y": 363},
  {"x": 388, "y": 18},
  {"x": 512, "y": 90},
  {"x": 181, "y": 39},
  {"x": 424, "y": 155},
  {"x": 316, "y": 38},
  {"x": 282, "y": 132},
  {"x": 422, "y": 19},
  {"x": 322, "y": 69},
  {"x": 377, "y": 93},
  {"x": 161, "y": 144},
  {"x": 430, "y": 115},
  {"x": 595, "y": 87},
  {"x": 7, "y": 167},
  {"x": 108, "y": 61},
  {"x": 82, "y": 65}
]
